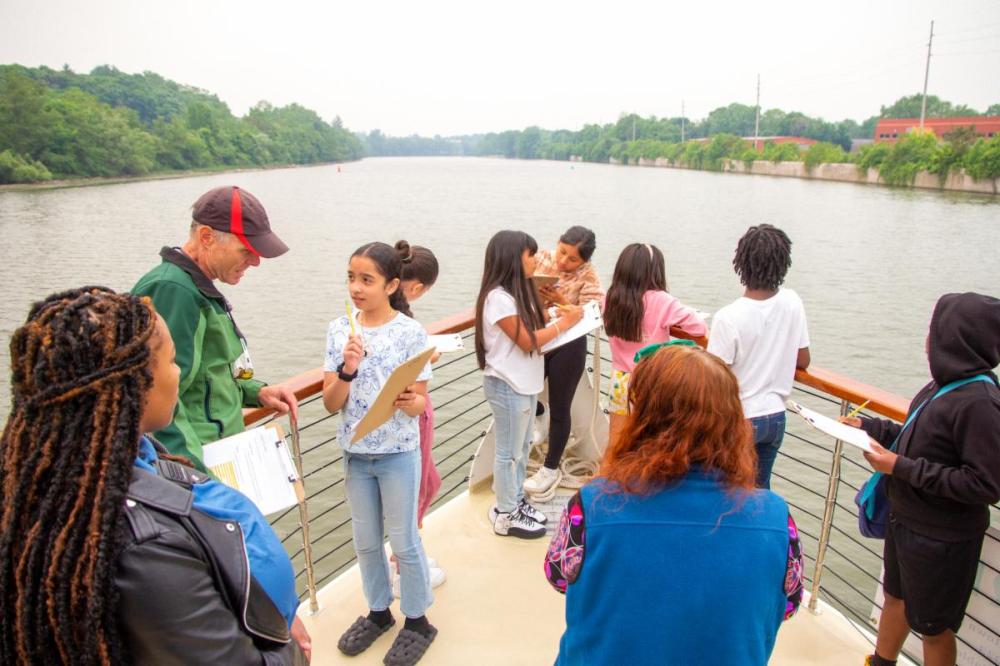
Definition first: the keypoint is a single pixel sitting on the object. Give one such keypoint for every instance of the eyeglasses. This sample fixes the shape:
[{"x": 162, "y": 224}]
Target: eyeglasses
[{"x": 649, "y": 350}]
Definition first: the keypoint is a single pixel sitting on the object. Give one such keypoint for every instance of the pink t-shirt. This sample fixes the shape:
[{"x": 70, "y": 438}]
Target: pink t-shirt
[{"x": 661, "y": 311}]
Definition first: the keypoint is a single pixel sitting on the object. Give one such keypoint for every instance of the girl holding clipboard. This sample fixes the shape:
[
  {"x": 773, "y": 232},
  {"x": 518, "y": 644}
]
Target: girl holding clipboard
[{"x": 381, "y": 469}]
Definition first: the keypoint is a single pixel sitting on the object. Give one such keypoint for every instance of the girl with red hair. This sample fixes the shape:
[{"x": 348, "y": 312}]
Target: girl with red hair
[{"x": 671, "y": 555}]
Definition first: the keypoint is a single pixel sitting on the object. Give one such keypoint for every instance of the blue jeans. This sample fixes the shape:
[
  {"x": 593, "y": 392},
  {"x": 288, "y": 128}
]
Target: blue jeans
[
  {"x": 768, "y": 431},
  {"x": 382, "y": 492},
  {"x": 513, "y": 416}
]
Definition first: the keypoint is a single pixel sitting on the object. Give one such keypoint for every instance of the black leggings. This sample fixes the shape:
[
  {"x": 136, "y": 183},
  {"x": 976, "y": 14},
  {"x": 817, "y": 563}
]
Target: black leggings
[{"x": 563, "y": 368}]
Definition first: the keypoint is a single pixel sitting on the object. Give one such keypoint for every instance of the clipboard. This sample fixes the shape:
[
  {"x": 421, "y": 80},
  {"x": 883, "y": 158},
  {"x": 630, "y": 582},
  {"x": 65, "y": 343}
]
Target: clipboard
[
  {"x": 590, "y": 321},
  {"x": 544, "y": 280},
  {"x": 836, "y": 429},
  {"x": 383, "y": 408},
  {"x": 258, "y": 464}
]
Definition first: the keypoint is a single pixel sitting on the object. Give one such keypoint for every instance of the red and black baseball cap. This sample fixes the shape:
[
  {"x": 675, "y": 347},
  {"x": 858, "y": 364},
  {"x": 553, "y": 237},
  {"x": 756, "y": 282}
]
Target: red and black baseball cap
[{"x": 238, "y": 212}]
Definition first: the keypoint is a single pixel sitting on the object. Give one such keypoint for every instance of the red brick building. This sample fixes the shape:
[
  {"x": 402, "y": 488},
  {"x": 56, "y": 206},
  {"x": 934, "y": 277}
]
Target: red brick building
[{"x": 893, "y": 129}]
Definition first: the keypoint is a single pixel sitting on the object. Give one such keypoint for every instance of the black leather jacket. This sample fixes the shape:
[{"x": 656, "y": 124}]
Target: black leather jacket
[{"x": 186, "y": 593}]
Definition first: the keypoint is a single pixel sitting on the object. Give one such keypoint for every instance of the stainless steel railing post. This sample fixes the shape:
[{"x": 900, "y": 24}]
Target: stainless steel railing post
[
  {"x": 828, "y": 511},
  {"x": 304, "y": 519}
]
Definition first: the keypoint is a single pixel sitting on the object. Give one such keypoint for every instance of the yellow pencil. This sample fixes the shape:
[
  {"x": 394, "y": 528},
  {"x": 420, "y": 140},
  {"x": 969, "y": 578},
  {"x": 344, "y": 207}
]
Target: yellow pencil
[
  {"x": 857, "y": 410},
  {"x": 350, "y": 316}
]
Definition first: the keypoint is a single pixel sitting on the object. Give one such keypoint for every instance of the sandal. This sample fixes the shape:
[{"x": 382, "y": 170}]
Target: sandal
[
  {"x": 408, "y": 648},
  {"x": 360, "y": 635}
]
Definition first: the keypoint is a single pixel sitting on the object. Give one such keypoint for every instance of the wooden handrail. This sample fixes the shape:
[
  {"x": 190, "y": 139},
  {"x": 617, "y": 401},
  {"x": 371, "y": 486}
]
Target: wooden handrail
[{"x": 881, "y": 402}]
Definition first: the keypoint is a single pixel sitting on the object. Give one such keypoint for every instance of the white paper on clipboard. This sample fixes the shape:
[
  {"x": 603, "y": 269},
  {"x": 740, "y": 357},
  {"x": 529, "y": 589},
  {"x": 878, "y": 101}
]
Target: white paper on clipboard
[
  {"x": 591, "y": 320},
  {"x": 257, "y": 463},
  {"x": 449, "y": 342},
  {"x": 836, "y": 429}
]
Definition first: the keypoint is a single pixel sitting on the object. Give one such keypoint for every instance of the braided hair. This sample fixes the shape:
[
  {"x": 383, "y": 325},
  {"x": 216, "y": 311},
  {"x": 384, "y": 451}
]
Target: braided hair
[
  {"x": 763, "y": 257},
  {"x": 80, "y": 373}
]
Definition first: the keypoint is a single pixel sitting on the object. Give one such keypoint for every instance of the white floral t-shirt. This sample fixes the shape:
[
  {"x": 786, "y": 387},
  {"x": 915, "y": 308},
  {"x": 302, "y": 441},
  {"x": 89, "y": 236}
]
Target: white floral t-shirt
[{"x": 387, "y": 347}]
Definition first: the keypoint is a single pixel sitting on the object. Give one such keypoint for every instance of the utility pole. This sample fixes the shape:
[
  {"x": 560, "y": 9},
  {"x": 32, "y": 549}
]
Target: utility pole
[
  {"x": 927, "y": 73},
  {"x": 682, "y": 121},
  {"x": 756, "y": 120}
]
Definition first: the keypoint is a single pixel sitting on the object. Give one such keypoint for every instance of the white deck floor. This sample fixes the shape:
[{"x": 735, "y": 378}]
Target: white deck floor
[{"x": 497, "y": 608}]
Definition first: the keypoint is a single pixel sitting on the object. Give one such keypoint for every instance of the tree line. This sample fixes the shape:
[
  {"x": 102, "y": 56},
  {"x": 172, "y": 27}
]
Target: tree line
[
  {"x": 898, "y": 163},
  {"x": 599, "y": 143},
  {"x": 61, "y": 124}
]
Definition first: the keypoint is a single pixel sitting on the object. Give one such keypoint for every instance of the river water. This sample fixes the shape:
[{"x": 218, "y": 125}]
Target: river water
[{"x": 869, "y": 262}]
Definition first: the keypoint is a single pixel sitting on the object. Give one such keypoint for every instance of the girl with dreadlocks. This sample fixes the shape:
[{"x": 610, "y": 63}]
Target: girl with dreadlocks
[
  {"x": 763, "y": 337},
  {"x": 109, "y": 552}
]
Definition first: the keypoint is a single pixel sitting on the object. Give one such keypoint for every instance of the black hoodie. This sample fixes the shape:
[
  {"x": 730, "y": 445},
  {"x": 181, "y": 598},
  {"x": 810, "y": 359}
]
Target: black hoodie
[{"x": 948, "y": 470}]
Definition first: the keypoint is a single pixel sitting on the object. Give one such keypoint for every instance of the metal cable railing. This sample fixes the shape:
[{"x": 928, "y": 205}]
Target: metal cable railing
[
  {"x": 818, "y": 482},
  {"x": 461, "y": 414}
]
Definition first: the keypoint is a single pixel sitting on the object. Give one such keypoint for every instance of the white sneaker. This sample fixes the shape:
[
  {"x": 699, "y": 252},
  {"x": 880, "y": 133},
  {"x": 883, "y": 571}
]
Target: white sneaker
[
  {"x": 515, "y": 524},
  {"x": 436, "y": 574},
  {"x": 542, "y": 480},
  {"x": 531, "y": 512}
]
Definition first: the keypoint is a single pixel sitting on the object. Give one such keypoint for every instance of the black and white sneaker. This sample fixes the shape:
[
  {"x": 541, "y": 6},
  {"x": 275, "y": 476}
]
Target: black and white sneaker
[
  {"x": 531, "y": 512},
  {"x": 515, "y": 524}
]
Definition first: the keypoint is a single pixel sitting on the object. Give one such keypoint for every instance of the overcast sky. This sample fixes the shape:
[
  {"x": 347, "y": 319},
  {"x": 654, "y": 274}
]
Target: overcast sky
[{"x": 468, "y": 66}]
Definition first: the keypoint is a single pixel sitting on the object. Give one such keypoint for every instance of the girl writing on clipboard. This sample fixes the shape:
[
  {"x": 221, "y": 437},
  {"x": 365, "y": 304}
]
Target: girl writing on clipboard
[{"x": 382, "y": 469}]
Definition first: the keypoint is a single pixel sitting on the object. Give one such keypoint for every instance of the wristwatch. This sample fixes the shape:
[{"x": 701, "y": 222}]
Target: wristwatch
[{"x": 344, "y": 376}]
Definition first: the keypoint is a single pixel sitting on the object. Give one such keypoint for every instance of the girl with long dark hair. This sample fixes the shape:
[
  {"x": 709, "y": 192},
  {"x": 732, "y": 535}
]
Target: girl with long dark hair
[
  {"x": 382, "y": 469},
  {"x": 639, "y": 310},
  {"x": 510, "y": 331}
]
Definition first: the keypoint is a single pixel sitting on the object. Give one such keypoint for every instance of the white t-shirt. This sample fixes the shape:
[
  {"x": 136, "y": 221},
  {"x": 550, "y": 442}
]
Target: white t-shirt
[
  {"x": 525, "y": 373},
  {"x": 760, "y": 340},
  {"x": 388, "y": 346}
]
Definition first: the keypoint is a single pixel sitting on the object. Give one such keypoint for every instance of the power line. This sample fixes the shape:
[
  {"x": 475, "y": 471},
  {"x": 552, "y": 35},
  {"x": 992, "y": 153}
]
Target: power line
[
  {"x": 907, "y": 54},
  {"x": 974, "y": 39},
  {"x": 978, "y": 28},
  {"x": 955, "y": 53}
]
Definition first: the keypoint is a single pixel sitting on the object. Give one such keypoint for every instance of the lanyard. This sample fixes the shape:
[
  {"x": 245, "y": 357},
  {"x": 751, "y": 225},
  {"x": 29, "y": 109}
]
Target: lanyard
[{"x": 941, "y": 391}]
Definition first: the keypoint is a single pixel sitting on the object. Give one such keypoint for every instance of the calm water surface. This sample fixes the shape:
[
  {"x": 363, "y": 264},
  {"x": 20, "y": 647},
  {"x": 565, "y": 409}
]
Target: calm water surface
[{"x": 869, "y": 262}]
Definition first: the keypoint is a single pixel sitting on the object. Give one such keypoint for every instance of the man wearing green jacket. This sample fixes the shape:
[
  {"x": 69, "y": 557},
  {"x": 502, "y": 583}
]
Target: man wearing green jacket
[{"x": 230, "y": 233}]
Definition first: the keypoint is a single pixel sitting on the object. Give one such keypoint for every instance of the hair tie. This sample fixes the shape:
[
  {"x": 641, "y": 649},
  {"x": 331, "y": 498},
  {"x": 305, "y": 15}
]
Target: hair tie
[{"x": 408, "y": 258}]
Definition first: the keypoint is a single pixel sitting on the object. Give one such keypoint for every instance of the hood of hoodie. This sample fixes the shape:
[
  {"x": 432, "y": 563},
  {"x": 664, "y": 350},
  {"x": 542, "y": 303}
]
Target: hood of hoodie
[{"x": 964, "y": 338}]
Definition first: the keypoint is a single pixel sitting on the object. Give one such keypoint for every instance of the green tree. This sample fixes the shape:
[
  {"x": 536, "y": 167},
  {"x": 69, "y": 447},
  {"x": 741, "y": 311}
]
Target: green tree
[
  {"x": 909, "y": 155},
  {"x": 17, "y": 169},
  {"x": 983, "y": 159},
  {"x": 823, "y": 152},
  {"x": 529, "y": 143},
  {"x": 909, "y": 107}
]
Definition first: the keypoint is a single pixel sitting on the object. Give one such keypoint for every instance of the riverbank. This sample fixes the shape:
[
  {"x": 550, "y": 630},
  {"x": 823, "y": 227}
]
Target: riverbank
[
  {"x": 165, "y": 175},
  {"x": 956, "y": 181}
]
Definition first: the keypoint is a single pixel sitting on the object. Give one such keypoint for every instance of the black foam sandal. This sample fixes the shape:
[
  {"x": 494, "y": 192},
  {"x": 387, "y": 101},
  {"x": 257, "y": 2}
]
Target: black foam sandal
[
  {"x": 360, "y": 635},
  {"x": 408, "y": 647}
]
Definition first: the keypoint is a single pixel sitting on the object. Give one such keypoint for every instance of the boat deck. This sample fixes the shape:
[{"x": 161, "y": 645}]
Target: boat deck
[{"x": 497, "y": 608}]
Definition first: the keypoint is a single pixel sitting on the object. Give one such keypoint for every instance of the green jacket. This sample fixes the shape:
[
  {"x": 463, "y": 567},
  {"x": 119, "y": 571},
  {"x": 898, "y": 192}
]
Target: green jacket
[{"x": 211, "y": 401}]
